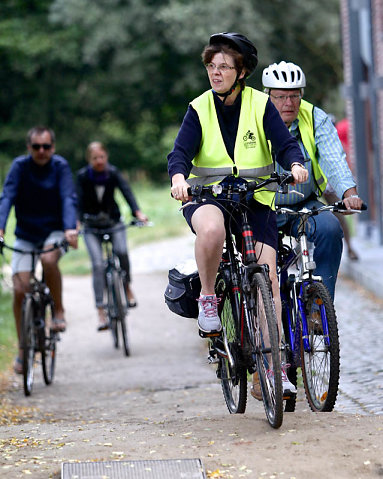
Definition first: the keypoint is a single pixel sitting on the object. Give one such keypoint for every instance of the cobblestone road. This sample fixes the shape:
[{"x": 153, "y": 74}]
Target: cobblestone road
[{"x": 360, "y": 320}]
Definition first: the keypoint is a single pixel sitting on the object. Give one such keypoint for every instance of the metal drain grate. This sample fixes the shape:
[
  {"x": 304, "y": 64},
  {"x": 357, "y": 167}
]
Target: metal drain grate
[{"x": 161, "y": 469}]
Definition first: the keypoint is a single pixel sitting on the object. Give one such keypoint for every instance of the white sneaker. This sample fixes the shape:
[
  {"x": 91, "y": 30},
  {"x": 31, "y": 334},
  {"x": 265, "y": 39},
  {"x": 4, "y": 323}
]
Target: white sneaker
[
  {"x": 288, "y": 387},
  {"x": 208, "y": 319}
]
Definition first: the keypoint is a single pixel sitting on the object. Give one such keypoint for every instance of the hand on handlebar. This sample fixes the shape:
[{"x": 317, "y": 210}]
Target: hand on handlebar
[
  {"x": 179, "y": 189},
  {"x": 72, "y": 237},
  {"x": 141, "y": 217},
  {"x": 299, "y": 173},
  {"x": 352, "y": 203}
]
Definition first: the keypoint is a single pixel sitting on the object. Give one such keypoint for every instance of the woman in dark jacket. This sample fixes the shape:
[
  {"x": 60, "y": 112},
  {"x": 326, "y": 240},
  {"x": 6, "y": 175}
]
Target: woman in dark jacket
[{"x": 96, "y": 184}]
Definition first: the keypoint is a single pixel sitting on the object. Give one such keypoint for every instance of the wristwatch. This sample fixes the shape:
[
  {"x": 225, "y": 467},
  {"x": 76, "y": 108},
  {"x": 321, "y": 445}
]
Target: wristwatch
[{"x": 299, "y": 164}]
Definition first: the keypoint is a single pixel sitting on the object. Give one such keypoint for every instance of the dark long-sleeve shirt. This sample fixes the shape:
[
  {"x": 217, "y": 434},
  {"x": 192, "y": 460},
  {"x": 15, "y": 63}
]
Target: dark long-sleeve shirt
[
  {"x": 88, "y": 202},
  {"x": 44, "y": 197},
  {"x": 188, "y": 140}
]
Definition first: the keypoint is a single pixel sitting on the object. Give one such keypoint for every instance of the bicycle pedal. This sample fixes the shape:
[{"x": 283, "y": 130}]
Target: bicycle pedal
[
  {"x": 288, "y": 395},
  {"x": 212, "y": 360},
  {"x": 211, "y": 334}
]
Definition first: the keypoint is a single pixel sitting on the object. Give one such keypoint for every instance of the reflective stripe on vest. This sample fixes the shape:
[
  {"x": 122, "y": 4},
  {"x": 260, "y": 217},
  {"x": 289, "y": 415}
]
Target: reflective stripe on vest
[
  {"x": 306, "y": 129},
  {"x": 252, "y": 158}
]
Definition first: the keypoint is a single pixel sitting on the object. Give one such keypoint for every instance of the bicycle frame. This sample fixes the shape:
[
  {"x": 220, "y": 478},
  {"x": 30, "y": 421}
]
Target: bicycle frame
[
  {"x": 241, "y": 265},
  {"x": 111, "y": 262},
  {"x": 300, "y": 257},
  {"x": 35, "y": 336}
]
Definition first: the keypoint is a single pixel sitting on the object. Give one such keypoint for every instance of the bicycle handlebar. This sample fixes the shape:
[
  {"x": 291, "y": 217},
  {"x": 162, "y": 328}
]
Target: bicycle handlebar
[
  {"x": 111, "y": 229},
  {"x": 60, "y": 244},
  {"x": 196, "y": 191},
  {"x": 337, "y": 207}
]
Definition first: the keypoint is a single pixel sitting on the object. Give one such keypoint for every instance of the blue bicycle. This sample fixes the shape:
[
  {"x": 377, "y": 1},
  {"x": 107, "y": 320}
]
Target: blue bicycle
[{"x": 311, "y": 340}]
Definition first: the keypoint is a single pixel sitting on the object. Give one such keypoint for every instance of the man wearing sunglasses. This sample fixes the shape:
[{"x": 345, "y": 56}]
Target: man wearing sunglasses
[
  {"x": 40, "y": 187},
  {"x": 325, "y": 161}
]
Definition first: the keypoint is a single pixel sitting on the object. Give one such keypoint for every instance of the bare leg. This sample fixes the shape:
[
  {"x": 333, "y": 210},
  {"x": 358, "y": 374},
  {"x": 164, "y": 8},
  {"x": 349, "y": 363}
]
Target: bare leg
[
  {"x": 208, "y": 223},
  {"x": 53, "y": 279},
  {"x": 20, "y": 288},
  {"x": 102, "y": 321},
  {"x": 130, "y": 296}
]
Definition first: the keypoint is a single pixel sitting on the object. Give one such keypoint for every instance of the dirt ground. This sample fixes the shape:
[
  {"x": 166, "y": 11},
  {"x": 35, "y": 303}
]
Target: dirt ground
[{"x": 164, "y": 402}]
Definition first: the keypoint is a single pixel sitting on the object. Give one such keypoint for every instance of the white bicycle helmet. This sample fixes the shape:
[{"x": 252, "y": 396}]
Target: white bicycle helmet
[{"x": 283, "y": 76}]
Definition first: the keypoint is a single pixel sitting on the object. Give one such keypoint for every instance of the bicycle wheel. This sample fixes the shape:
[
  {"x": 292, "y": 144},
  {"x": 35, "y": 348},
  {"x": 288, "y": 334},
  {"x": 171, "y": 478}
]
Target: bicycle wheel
[
  {"x": 233, "y": 376},
  {"x": 28, "y": 343},
  {"x": 111, "y": 310},
  {"x": 48, "y": 344},
  {"x": 320, "y": 352},
  {"x": 288, "y": 356},
  {"x": 267, "y": 350},
  {"x": 121, "y": 308}
]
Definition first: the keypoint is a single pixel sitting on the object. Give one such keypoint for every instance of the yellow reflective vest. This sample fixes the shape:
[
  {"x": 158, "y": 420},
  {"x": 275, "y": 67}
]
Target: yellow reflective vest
[
  {"x": 306, "y": 129},
  {"x": 252, "y": 157}
]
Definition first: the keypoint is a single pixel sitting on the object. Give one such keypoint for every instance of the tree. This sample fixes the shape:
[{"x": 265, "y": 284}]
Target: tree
[{"x": 123, "y": 71}]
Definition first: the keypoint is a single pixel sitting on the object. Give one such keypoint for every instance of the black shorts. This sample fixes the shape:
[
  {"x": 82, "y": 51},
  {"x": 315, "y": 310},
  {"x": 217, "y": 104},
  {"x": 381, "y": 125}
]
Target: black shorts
[{"x": 262, "y": 219}]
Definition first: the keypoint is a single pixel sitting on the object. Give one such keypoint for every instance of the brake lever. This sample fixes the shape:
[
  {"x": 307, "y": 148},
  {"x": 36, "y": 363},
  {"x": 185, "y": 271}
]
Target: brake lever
[
  {"x": 193, "y": 202},
  {"x": 284, "y": 189}
]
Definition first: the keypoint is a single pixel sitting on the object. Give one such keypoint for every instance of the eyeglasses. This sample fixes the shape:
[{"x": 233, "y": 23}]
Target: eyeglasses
[
  {"x": 283, "y": 98},
  {"x": 45, "y": 146},
  {"x": 221, "y": 68}
]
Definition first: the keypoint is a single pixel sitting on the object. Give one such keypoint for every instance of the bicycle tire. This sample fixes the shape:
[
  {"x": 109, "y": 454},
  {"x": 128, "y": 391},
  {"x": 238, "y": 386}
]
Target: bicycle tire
[
  {"x": 267, "y": 349},
  {"x": 28, "y": 343},
  {"x": 233, "y": 378},
  {"x": 48, "y": 348},
  {"x": 321, "y": 363},
  {"x": 121, "y": 308},
  {"x": 288, "y": 358},
  {"x": 111, "y": 311}
]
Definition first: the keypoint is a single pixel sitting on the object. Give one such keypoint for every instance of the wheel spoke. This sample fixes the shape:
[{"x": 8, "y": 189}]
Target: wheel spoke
[
  {"x": 233, "y": 377},
  {"x": 320, "y": 359}
]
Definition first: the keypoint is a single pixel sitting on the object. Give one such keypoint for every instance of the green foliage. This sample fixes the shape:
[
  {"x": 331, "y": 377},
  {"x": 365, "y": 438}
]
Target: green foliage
[
  {"x": 8, "y": 342},
  {"x": 123, "y": 71}
]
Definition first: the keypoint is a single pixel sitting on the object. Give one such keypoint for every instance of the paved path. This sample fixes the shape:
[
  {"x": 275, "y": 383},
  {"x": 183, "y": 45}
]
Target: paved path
[{"x": 164, "y": 402}]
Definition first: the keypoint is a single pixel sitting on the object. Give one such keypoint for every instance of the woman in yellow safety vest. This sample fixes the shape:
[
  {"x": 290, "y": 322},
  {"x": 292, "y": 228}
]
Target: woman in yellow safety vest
[{"x": 225, "y": 132}]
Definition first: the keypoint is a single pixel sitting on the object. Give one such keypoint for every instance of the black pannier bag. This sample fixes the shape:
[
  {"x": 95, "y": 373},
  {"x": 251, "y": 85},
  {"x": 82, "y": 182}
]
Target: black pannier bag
[{"x": 182, "y": 292}]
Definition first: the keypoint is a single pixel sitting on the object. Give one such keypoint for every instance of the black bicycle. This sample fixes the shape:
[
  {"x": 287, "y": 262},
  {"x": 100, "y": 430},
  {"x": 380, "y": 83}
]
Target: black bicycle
[
  {"x": 37, "y": 332},
  {"x": 115, "y": 282},
  {"x": 249, "y": 340},
  {"x": 311, "y": 340}
]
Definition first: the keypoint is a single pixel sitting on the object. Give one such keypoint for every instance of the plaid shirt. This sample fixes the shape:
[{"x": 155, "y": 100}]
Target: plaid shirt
[{"x": 331, "y": 157}]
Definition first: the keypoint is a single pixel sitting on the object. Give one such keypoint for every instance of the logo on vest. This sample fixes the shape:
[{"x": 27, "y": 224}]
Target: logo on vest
[{"x": 249, "y": 140}]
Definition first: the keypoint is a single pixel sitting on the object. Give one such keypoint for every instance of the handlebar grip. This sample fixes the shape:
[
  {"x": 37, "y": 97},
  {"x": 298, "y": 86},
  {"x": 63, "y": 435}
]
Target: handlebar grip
[
  {"x": 287, "y": 178},
  {"x": 65, "y": 245},
  {"x": 341, "y": 206}
]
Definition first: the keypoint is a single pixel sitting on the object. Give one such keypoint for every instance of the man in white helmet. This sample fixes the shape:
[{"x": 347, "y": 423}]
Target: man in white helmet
[{"x": 325, "y": 160}]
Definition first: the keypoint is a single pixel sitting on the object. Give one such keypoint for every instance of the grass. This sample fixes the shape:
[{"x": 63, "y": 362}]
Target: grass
[{"x": 8, "y": 342}]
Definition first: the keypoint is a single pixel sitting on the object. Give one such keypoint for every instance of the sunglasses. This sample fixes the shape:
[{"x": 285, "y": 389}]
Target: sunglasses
[{"x": 45, "y": 146}]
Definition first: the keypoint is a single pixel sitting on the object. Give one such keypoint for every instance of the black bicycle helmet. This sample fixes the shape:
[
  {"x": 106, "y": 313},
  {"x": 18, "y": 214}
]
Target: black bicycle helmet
[{"x": 242, "y": 45}]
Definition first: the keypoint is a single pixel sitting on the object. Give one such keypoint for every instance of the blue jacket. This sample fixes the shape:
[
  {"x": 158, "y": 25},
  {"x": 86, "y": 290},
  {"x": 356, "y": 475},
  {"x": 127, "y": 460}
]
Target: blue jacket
[{"x": 44, "y": 198}]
